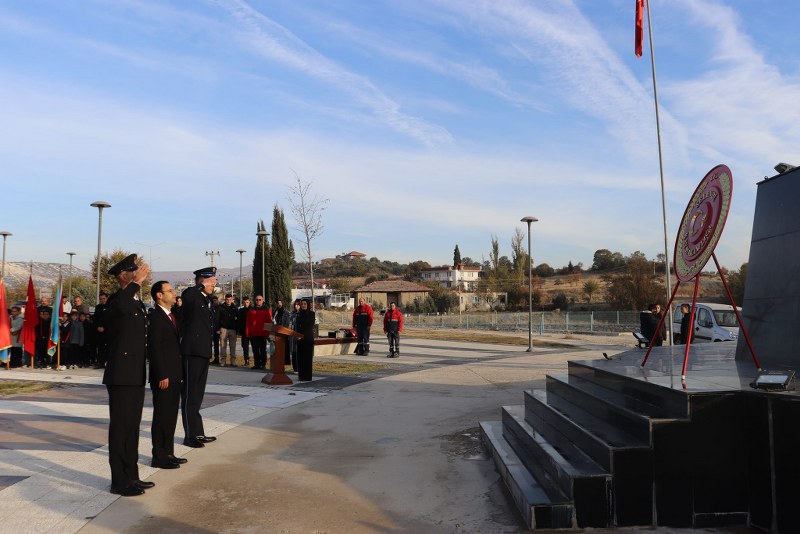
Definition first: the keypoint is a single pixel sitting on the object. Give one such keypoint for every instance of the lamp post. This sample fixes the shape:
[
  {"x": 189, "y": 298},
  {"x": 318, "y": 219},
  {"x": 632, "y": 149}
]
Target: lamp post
[
  {"x": 241, "y": 251},
  {"x": 5, "y": 235},
  {"x": 262, "y": 234},
  {"x": 99, "y": 204},
  {"x": 530, "y": 219},
  {"x": 70, "y": 254}
]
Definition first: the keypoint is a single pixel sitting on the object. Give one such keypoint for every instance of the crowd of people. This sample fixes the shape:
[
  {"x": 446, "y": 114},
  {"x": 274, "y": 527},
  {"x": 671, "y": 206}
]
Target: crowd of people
[
  {"x": 81, "y": 336},
  {"x": 179, "y": 337}
]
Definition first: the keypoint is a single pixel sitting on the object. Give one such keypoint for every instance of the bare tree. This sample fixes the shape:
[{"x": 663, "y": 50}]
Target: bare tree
[
  {"x": 519, "y": 256},
  {"x": 307, "y": 210}
]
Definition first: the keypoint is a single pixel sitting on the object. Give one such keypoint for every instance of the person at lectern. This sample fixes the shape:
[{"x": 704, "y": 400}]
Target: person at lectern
[{"x": 305, "y": 346}]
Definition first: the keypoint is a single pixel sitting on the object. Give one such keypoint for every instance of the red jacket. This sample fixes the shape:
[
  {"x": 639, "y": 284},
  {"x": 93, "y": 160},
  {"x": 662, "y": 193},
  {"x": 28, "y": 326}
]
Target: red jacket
[
  {"x": 256, "y": 319},
  {"x": 362, "y": 316},
  {"x": 392, "y": 316}
]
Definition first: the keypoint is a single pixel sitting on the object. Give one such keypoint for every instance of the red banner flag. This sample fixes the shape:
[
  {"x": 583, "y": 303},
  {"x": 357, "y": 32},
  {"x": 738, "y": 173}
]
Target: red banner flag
[
  {"x": 31, "y": 321},
  {"x": 639, "y": 27}
]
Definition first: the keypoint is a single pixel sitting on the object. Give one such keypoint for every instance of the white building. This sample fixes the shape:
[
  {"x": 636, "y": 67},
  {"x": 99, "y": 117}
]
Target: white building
[{"x": 461, "y": 277}]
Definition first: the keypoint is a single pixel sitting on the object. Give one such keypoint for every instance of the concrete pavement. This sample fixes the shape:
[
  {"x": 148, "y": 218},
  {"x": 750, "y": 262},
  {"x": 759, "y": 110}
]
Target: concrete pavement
[{"x": 394, "y": 450}]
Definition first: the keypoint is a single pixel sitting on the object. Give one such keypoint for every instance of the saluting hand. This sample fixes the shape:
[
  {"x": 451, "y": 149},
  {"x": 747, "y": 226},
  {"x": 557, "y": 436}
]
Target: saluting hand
[{"x": 140, "y": 274}]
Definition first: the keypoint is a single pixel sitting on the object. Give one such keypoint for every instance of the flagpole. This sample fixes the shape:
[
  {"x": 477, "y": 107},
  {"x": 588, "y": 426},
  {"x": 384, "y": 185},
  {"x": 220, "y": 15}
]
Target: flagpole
[{"x": 661, "y": 171}]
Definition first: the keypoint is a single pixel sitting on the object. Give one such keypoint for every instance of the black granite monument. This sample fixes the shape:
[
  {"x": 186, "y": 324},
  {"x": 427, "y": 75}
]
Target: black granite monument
[{"x": 612, "y": 443}]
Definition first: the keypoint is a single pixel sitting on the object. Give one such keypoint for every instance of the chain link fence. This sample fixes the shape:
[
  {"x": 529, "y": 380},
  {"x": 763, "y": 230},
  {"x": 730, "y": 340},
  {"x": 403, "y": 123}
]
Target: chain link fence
[{"x": 555, "y": 322}]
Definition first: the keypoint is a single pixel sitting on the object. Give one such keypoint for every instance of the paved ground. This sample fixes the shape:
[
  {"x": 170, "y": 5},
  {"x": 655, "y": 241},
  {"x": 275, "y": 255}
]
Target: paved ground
[{"x": 392, "y": 451}]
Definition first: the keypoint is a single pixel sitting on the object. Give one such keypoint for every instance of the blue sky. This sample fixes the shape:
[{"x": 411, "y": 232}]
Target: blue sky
[{"x": 427, "y": 123}]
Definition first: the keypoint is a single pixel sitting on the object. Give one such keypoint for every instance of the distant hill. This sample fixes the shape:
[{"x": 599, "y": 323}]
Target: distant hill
[
  {"x": 44, "y": 275},
  {"x": 182, "y": 278}
]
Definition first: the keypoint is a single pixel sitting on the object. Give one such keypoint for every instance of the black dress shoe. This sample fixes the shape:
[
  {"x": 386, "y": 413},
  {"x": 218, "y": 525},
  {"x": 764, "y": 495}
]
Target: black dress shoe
[
  {"x": 174, "y": 459},
  {"x": 193, "y": 443},
  {"x": 206, "y": 439},
  {"x": 164, "y": 464},
  {"x": 131, "y": 490},
  {"x": 144, "y": 484}
]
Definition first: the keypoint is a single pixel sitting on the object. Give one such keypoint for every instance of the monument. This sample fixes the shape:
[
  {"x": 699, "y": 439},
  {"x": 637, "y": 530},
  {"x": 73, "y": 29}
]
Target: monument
[{"x": 685, "y": 441}]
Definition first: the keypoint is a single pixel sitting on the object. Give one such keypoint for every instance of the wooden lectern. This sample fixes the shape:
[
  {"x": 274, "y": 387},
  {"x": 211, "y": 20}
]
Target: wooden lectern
[{"x": 277, "y": 372}]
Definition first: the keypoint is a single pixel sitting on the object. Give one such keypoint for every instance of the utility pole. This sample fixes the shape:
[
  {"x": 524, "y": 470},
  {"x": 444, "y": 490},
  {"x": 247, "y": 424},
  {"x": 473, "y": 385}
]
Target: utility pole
[{"x": 212, "y": 254}]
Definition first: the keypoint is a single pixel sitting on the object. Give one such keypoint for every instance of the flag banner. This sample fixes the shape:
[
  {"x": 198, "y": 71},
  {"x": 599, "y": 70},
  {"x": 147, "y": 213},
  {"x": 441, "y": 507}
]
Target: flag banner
[
  {"x": 54, "y": 324},
  {"x": 639, "y": 28},
  {"x": 31, "y": 321},
  {"x": 5, "y": 325}
]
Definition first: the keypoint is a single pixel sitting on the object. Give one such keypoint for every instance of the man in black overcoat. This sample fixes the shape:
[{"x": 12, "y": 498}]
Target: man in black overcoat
[
  {"x": 197, "y": 336},
  {"x": 166, "y": 373},
  {"x": 99, "y": 320},
  {"x": 124, "y": 376}
]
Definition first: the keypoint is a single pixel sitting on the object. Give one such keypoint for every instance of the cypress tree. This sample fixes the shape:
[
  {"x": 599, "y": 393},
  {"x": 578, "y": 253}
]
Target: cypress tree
[{"x": 280, "y": 260}]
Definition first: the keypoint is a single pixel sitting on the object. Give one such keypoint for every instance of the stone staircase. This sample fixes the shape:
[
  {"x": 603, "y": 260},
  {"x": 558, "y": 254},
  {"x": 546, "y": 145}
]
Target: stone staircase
[{"x": 598, "y": 448}]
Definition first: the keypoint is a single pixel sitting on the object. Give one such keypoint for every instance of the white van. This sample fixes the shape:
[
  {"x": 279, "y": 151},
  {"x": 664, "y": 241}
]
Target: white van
[{"x": 712, "y": 322}]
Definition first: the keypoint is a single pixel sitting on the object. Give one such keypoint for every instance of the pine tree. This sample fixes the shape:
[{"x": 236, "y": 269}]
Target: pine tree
[
  {"x": 280, "y": 259},
  {"x": 456, "y": 258}
]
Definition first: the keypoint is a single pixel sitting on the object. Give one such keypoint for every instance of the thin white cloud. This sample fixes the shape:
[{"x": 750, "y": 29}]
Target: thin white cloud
[
  {"x": 85, "y": 48},
  {"x": 742, "y": 107},
  {"x": 581, "y": 67},
  {"x": 277, "y": 43},
  {"x": 474, "y": 73}
]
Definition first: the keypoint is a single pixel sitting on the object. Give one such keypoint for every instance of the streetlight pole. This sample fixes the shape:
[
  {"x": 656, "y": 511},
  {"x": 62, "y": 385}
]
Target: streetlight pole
[
  {"x": 99, "y": 204},
  {"x": 70, "y": 254},
  {"x": 530, "y": 219},
  {"x": 262, "y": 234},
  {"x": 241, "y": 252},
  {"x": 5, "y": 235}
]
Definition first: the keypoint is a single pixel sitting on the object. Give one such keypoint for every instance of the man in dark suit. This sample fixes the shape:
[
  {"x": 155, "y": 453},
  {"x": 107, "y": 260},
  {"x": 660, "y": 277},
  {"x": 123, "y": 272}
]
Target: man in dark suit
[
  {"x": 197, "y": 336},
  {"x": 164, "y": 353},
  {"x": 124, "y": 377}
]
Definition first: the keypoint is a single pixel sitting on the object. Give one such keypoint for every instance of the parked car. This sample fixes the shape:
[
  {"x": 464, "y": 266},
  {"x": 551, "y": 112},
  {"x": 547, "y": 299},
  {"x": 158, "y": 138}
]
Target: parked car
[{"x": 712, "y": 323}]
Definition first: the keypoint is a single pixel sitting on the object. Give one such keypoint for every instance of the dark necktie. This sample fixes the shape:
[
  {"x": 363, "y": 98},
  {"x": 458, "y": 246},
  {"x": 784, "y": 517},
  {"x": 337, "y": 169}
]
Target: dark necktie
[{"x": 172, "y": 318}]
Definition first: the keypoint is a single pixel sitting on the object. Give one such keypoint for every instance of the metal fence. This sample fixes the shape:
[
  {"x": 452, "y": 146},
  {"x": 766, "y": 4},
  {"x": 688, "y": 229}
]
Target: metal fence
[{"x": 599, "y": 321}]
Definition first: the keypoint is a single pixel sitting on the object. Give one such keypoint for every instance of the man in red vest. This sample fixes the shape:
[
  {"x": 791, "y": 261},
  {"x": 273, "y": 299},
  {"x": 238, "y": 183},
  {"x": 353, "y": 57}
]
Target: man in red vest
[
  {"x": 392, "y": 326},
  {"x": 362, "y": 322},
  {"x": 257, "y": 317}
]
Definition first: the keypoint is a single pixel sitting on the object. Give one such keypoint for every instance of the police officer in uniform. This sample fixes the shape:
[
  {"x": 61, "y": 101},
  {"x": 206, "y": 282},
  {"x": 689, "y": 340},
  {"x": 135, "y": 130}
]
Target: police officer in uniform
[
  {"x": 197, "y": 337},
  {"x": 124, "y": 376},
  {"x": 99, "y": 321}
]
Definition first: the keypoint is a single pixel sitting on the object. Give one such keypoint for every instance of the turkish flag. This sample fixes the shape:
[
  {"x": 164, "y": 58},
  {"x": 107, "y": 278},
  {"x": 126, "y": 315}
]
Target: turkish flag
[
  {"x": 31, "y": 321},
  {"x": 639, "y": 27}
]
